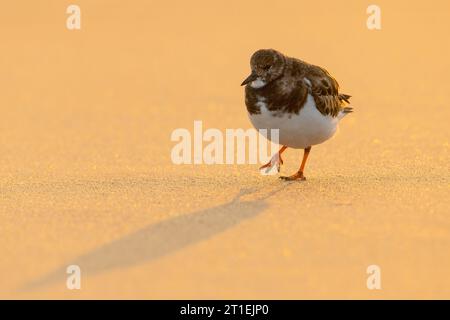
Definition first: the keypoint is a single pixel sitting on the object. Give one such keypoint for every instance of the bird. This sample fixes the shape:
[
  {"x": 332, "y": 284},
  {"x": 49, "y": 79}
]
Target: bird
[{"x": 299, "y": 99}]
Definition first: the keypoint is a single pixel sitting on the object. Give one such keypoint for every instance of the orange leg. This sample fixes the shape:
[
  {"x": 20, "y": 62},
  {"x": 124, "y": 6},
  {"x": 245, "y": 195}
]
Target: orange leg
[
  {"x": 299, "y": 174},
  {"x": 276, "y": 159}
]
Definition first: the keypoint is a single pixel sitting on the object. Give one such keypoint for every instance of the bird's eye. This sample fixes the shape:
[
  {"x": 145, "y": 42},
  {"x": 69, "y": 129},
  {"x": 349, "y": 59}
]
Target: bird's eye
[{"x": 265, "y": 68}]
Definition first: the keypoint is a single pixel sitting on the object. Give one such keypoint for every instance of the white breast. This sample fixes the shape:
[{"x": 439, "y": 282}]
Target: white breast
[{"x": 302, "y": 130}]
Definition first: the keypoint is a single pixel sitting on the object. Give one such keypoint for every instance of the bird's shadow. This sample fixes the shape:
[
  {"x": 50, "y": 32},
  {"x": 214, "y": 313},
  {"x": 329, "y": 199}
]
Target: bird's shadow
[{"x": 157, "y": 240}]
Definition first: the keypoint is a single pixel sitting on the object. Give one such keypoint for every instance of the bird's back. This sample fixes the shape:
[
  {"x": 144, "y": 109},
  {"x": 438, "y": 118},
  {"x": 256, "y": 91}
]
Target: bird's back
[{"x": 288, "y": 94}]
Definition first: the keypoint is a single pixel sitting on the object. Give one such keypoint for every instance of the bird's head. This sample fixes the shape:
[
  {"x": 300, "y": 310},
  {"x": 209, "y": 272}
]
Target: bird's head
[{"x": 267, "y": 65}]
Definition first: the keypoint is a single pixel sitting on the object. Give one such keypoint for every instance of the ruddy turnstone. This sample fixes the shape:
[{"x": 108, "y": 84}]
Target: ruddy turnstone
[{"x": 300, "y": 99}]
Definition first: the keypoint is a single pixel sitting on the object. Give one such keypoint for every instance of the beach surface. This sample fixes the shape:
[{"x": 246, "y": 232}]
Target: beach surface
[{"x": 86, "y": 176}]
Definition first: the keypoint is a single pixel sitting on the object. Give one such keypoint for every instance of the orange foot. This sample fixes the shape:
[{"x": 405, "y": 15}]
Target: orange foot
[
  {"x": 297, "y": 176},
  {"x": 276, "y": 160}
]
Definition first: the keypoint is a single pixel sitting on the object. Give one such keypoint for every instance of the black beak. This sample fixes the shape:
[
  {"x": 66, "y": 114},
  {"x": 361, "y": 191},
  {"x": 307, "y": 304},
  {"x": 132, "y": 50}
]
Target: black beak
[{"x": 250, "y": 78}]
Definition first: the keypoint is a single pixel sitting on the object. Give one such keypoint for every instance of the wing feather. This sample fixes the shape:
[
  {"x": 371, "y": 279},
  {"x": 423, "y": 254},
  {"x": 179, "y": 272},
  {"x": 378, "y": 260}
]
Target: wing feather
[{"x": 325, "y": 91}]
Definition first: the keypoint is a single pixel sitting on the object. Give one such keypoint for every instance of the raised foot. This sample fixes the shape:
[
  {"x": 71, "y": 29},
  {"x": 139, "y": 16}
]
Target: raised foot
[
  {"x": 275, "y": 161},
  {"x": 296, "y": 176}
]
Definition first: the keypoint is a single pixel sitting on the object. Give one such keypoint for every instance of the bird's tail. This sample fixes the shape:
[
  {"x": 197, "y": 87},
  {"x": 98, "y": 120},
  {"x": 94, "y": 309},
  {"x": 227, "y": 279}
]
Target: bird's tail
[
  {"x": 345, "y": 97},
  {"x": 345, "y": 110}
]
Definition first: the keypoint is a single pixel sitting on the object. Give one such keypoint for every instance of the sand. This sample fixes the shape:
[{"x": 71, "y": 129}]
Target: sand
[{"x": 86, "y": 176}]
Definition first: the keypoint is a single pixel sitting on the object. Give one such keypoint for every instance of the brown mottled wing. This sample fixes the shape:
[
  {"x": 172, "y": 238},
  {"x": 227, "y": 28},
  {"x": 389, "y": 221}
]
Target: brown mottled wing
[
  {"x": 325, "y": 90},
  {"x": 278, "y": 98}
]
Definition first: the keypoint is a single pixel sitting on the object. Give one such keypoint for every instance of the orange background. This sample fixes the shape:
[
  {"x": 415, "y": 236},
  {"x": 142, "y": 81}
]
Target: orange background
[{"x": 86, "y": 175}]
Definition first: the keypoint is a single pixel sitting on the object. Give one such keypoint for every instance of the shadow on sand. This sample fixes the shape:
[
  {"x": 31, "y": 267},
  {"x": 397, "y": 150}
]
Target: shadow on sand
[{"x": 163, "y": 238}]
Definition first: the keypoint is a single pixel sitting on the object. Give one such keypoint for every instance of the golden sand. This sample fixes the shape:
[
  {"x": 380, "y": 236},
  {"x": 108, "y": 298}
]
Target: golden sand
[{"x": 86, "y": 176}]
